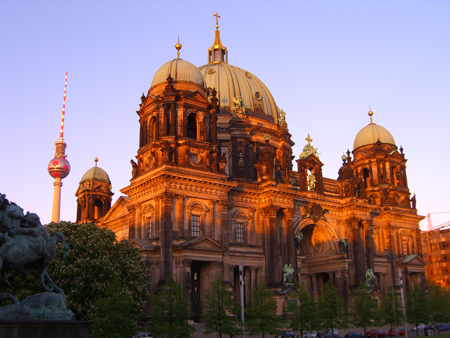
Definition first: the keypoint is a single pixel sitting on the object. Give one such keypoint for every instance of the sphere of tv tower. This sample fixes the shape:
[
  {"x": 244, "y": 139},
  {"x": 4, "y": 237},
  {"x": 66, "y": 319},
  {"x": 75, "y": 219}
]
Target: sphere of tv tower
[{"x": 58, "y": 167}]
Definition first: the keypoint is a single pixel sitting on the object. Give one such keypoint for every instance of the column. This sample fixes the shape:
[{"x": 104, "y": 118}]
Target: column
[
  {"x": 274, "y": 270},
  {"x": 291, "y": 252},
  {"x": 138, "y": 222},
  {"x": 314, "y": 286},
  {"x": 166, "y": 233},
  {"x": 223, "y": 207},
  {"x": 172, "y": 120},
  {"x": 179, "y": 221},
  {"x": 131, "y": 221}
]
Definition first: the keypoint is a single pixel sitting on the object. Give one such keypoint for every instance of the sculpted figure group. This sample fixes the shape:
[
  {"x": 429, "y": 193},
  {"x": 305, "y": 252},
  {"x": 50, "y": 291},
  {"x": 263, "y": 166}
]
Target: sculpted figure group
[{"x": 26, "y": 244}]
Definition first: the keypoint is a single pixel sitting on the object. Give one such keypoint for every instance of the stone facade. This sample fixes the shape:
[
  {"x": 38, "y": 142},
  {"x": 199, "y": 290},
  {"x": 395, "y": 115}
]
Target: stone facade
[{"x": 214, "y": 185}]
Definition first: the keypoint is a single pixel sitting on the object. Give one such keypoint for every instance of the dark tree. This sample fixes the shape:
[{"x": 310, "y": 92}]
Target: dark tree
[
  {"x": 219, "y": 309},
  {"x": 364, "y": 308},
  {"x": 302, "y": 310},
  {"x": 332, "y": 310},
  {"x": 261, "y": 317},
  {"x": 171, "y": 315},
  {"x": 113, "y": 316},
  {"x": 417, "y": 306},
  {"x": 387, "y": 315},
  {"x": 439, "y": 303}
]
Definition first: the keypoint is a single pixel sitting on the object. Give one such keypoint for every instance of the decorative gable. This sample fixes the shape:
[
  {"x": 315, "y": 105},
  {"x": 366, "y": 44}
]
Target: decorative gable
[{"x": 204, "y": 243}]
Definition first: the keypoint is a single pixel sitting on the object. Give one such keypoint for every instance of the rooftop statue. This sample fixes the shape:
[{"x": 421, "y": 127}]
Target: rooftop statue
[{"x": 24, "y": 244}]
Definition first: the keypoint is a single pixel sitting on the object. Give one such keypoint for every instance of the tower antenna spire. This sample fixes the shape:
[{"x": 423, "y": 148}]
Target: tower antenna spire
[
  {"x": 59, "y": 167},
  {"x": 61, "y": 133}
]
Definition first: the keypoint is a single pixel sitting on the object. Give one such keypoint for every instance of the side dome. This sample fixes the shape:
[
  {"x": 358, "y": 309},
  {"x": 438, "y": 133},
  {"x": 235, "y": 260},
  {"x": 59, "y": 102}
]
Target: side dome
[
  {"x": 179, "y": 70},
  {"x": 370, "y": 134},
  {"x": 95, "y": 174},
  {"x": 233, "y": 83}
]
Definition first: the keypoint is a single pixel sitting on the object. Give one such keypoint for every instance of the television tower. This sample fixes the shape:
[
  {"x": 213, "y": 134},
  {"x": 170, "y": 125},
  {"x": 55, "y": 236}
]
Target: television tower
[{"x": 59, "y": 167}]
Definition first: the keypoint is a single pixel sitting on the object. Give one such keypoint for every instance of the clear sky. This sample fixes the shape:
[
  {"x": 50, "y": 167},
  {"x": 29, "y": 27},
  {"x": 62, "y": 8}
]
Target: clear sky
[{"x": 325, "y": 62}]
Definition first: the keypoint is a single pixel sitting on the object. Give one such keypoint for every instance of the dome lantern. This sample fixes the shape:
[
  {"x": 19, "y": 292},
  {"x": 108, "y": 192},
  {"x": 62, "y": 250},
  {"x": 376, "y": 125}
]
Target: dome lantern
[{"x": 217, "y": 52}]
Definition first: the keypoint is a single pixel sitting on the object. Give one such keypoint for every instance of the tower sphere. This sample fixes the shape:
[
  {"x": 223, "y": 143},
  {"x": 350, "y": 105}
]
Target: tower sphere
[{"x": 58, "y": 167}]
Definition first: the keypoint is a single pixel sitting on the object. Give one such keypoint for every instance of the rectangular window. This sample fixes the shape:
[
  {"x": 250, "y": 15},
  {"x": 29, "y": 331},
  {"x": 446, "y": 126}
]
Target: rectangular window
[
  {"x": 195, "y": 226},
  {"x": 240, "y": 232},
  {"x": 150, "y": 235}
]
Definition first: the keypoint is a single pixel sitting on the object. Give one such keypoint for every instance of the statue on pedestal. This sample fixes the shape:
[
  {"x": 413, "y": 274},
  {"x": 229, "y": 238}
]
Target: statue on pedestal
[{"x": 26, "y": 244}]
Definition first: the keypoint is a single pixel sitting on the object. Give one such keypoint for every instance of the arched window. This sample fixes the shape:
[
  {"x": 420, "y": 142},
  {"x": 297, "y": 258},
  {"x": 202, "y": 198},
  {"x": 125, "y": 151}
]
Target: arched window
[
  {"x": 192, "y": 127},
  {"x": 240, "y": 226},
  {"x": 366, "y": 177},
  {"x": 152, "y": 130},
  {"x": 98, "y": 209}
]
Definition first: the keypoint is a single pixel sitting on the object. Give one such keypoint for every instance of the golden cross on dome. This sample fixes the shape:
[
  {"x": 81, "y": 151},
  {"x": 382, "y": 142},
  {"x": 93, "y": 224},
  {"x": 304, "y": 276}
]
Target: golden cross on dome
[
  {"x": 309, "y": 139},
  {"x": 217, "y": 19}
]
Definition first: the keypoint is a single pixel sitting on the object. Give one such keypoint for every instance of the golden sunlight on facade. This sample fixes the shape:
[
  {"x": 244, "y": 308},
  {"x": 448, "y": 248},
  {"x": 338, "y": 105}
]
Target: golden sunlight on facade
[{"x": 214, "y": 184}]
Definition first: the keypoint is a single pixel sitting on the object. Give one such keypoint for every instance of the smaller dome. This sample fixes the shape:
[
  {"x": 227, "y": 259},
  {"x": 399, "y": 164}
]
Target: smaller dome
[
  {"x": 95, "y": 174},
  {"x": 370, "y": 134},
  {"x": 58, "y": 167},
  {"x": 179, "y": 70}
]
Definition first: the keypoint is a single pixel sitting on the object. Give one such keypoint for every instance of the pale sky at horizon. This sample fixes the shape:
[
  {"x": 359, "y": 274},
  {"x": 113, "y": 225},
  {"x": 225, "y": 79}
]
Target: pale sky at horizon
[{"x": 324, "y": 62}]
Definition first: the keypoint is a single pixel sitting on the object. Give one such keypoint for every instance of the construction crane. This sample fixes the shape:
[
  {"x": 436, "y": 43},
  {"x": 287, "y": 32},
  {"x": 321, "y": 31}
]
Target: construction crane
[{"x": 430, "y": 225}]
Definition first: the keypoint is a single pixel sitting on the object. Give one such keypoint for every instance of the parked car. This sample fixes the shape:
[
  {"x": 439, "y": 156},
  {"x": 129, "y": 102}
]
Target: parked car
[
  {"x": 286, "y": 334},
  {"x": 400, "y": 332},
  {"x": 311, "y": 334},
  {"x": 377, "y": 333},
  {"x": 420, "y": 327},
  {"x": 328, "y": 332},
  {"x": 329, "y": 335},
  {"x": 443, "y": 326},
  {"x": 354, "y": 335}
]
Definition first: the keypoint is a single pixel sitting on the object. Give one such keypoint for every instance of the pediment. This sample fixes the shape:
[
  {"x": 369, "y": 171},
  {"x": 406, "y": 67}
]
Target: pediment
[
  {"x": 142, "y": 244},
  {"x": 195, "y": 96},
  {"x": 204, "y": 243},
  {"x": 119, "y": 209},
  {"x": 413, "y": 260}
]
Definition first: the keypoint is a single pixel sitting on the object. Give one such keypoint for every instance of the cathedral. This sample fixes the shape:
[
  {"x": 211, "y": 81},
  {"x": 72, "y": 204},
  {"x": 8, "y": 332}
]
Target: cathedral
[{"x": 214, "y": 185}]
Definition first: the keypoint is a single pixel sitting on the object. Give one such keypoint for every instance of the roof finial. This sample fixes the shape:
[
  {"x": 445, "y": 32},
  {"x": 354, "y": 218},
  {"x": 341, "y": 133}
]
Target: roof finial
[
  {"x": 217, "y": 19},
  {"x": 178, "y": 47},
  {"x": 370, "y": 113},
  {"x": 95, "y": 160}
]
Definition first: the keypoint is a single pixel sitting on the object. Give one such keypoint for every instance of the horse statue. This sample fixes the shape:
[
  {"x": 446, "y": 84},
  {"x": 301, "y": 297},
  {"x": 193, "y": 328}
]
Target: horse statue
[{"x": 25, "y": 243}]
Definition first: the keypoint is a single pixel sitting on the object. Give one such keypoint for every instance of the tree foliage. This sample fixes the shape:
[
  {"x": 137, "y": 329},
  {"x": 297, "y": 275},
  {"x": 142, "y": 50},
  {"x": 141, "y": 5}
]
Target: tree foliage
[
  {"x": 171, "y": 315},
  {"x": 364, "y": 308},
  {"x": 95, "y": 260},
  {"x": 220, "y": 310},
  {"x": 261, "y": 315},
  {"x": 302, "y": 310},
  {"x": 387, "y": 315},
  {"x": 417, "y": 306},
  {"x": 113, "y": 316},
  {"x": 332, "y": 309},
  {"x": 439, "y": 303}
]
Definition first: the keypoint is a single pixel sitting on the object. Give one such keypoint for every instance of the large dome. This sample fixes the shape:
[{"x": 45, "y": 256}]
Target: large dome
[
  {"x": 232, "y": 82},
  {"x": 179, "y": 70},
  {"x": 95, "y": 174},
  {"x": 370, "y": 134}
]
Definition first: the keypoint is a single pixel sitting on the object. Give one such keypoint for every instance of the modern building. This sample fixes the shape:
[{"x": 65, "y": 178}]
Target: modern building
[
  {"x": 214, "y": 184},
  {"x": 436, "y": 252}
]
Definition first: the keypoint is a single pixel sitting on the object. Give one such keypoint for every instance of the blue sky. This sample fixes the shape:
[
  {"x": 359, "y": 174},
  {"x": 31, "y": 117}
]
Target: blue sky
[{"x": 325, "y": 62}]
